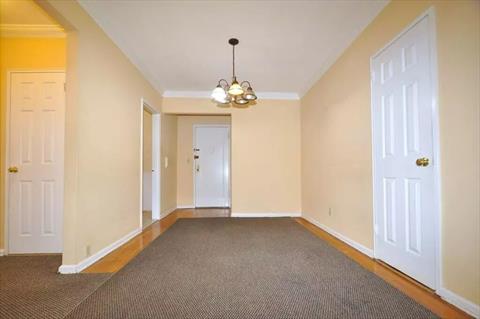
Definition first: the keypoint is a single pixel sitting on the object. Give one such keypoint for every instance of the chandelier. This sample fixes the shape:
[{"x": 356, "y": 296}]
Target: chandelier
[{"x": 240, "y": 94}]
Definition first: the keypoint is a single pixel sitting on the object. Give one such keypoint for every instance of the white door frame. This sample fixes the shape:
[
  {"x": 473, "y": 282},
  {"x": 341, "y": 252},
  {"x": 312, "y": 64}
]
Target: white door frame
[
  {"x": 229, "y": 191},
  {"x": 156, "y": 174},
  {"x": 430, "y": 14},
  {"x": 6, "y": 156}
]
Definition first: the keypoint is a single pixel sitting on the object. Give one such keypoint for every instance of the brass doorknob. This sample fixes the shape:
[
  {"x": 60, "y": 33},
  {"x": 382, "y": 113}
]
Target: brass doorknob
[
  {"x": 13, "y": 169},
  {"x": 423, "y": 161}
]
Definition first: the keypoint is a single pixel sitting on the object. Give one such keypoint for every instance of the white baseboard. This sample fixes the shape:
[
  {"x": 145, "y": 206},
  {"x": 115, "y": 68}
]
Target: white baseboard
[
  {"x": 72, "y": 269},
  {"x": 348, "y": 241},
  {"x": 2, "y": 251},
  {"x": 460, "y": 302},
  {"x": 267, "y": 214},
  {"x": 185, "y": 206},
  {"x": 171, "y": 210}
]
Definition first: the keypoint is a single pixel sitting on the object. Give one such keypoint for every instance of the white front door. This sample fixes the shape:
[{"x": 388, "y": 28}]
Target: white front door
[
  {"x": 404, "y": 182},
  {"x": 212, "y": 166},
  {"x": 36, "y": 144}
]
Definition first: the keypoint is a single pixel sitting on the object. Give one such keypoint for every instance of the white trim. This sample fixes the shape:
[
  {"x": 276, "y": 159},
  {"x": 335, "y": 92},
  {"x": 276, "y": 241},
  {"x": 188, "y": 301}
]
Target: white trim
[
  {"x": 364, "y": 250},
  {"x": 266, "y": 214},
  {"x": 185, "y": 206},
  {"x": 156, "y": 165},
  {"x": 72, "y": 269},
  {"x": 432, "y": 25},
  {"x": 31, "y": 30},
  {"x": 430, "y": 13},
  {"x": 460, "y": 302},
  {"x": 207, "y": 94}
]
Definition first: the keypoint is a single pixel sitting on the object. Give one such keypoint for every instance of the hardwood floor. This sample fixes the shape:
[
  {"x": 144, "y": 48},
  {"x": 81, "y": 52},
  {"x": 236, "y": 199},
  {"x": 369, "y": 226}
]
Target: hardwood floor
[{"x": 120, "y": 257}]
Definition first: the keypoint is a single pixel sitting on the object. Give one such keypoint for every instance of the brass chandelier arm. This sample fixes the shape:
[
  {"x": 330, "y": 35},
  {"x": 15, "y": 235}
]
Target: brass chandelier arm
[
  {"x": 248, "y": 83},
  {"x": 226, "y": 85}
]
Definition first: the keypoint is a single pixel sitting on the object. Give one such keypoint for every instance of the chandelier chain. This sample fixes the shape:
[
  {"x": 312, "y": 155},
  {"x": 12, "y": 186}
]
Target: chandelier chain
[{"x": 233, "y": 61}]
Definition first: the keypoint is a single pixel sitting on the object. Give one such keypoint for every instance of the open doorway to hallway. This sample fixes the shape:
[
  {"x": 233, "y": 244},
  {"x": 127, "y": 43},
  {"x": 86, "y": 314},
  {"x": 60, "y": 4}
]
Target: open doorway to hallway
[
  {"x": 203, "y": 155},
  {"x": 150, "y": 206},
  {"x": 147, "y": 169}
]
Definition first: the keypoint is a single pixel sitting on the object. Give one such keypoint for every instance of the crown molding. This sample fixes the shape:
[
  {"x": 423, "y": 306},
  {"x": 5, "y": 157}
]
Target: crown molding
[
  {"x": 206, "y": 95},
  {"x": 31, "y": 30}
]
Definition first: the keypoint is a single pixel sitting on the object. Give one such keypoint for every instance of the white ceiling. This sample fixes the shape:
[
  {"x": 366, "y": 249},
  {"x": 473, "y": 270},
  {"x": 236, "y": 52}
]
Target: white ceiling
[{"x": 285, "y": 46}]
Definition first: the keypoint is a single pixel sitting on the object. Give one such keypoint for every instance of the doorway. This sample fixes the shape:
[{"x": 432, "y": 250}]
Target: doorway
[
  {"x": 405, "y": 153},
  {"x": 211, "y": 165},
  {"x": 35, "y": 161},
  {"x": 150, "y": 166}
]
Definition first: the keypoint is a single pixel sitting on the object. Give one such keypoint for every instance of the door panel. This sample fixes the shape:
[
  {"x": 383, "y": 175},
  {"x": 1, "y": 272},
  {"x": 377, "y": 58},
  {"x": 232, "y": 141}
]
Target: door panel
[
  {"x": 36, "y": 144},
  {"x": 212, "y": 166},
  {"x": 402, "y": 104}
]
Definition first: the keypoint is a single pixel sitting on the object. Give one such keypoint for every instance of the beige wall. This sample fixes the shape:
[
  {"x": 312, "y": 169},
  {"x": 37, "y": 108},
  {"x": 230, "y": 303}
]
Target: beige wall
[
  {"x": 23, "y": 54},
  {"x": 169, "y": 174},
  {"x": 336, "y": 137},
  {"x": 103, "y": 136},
  {"x": 185, "y": 153},
  {"x": 265, "y": 146}
]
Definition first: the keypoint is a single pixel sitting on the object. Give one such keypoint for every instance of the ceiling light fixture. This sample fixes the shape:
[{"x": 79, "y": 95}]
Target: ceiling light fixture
[{"x": 239, "y": 94}]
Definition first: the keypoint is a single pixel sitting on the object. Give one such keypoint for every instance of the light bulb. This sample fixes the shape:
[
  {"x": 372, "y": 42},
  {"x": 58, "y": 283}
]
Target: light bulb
[
  {"x": 219, "y": 93},
  {"x": 240, "y": 100},
  {"x": 235, "y": 89},
  {"x": 250, "y": 95}
]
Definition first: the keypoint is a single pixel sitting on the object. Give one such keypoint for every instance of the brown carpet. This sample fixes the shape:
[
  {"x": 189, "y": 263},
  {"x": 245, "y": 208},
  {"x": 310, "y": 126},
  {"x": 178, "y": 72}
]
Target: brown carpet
[
  {"x": 31, "y": 288},
  {"x": 245, "y": 268}
]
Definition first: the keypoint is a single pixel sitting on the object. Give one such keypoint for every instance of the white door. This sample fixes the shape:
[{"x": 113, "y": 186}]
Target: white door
[
  {"x": 35, "y": 203},
  {"x": 404, "y": 183},
  {"x": 212, "y": 166}
]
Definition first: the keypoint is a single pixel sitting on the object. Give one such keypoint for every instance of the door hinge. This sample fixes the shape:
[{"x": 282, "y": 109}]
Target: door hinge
[{"x": 64, "y": 86}]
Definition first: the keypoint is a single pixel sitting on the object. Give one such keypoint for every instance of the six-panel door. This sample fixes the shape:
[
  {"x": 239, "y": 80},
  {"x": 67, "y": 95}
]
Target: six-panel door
[
  {"x": 36, "y": 149},
  {"x": 403, "y": 143}
]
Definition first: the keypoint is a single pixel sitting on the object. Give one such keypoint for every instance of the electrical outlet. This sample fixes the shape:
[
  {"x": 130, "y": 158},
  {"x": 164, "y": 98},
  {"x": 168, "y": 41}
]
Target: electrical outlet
[{"x": 329, "y": 211}]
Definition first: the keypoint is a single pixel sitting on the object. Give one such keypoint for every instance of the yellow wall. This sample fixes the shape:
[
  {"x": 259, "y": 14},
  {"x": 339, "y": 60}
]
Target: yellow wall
[
  {"x": 185, "y": 154},
  {"x": 169, "y": 174},
  {"x": 23, "y": 54},
  {"x": 265, "y": 146},
  {"x": 103, "y": 135},
  {"x": 336, "y": 137}
]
